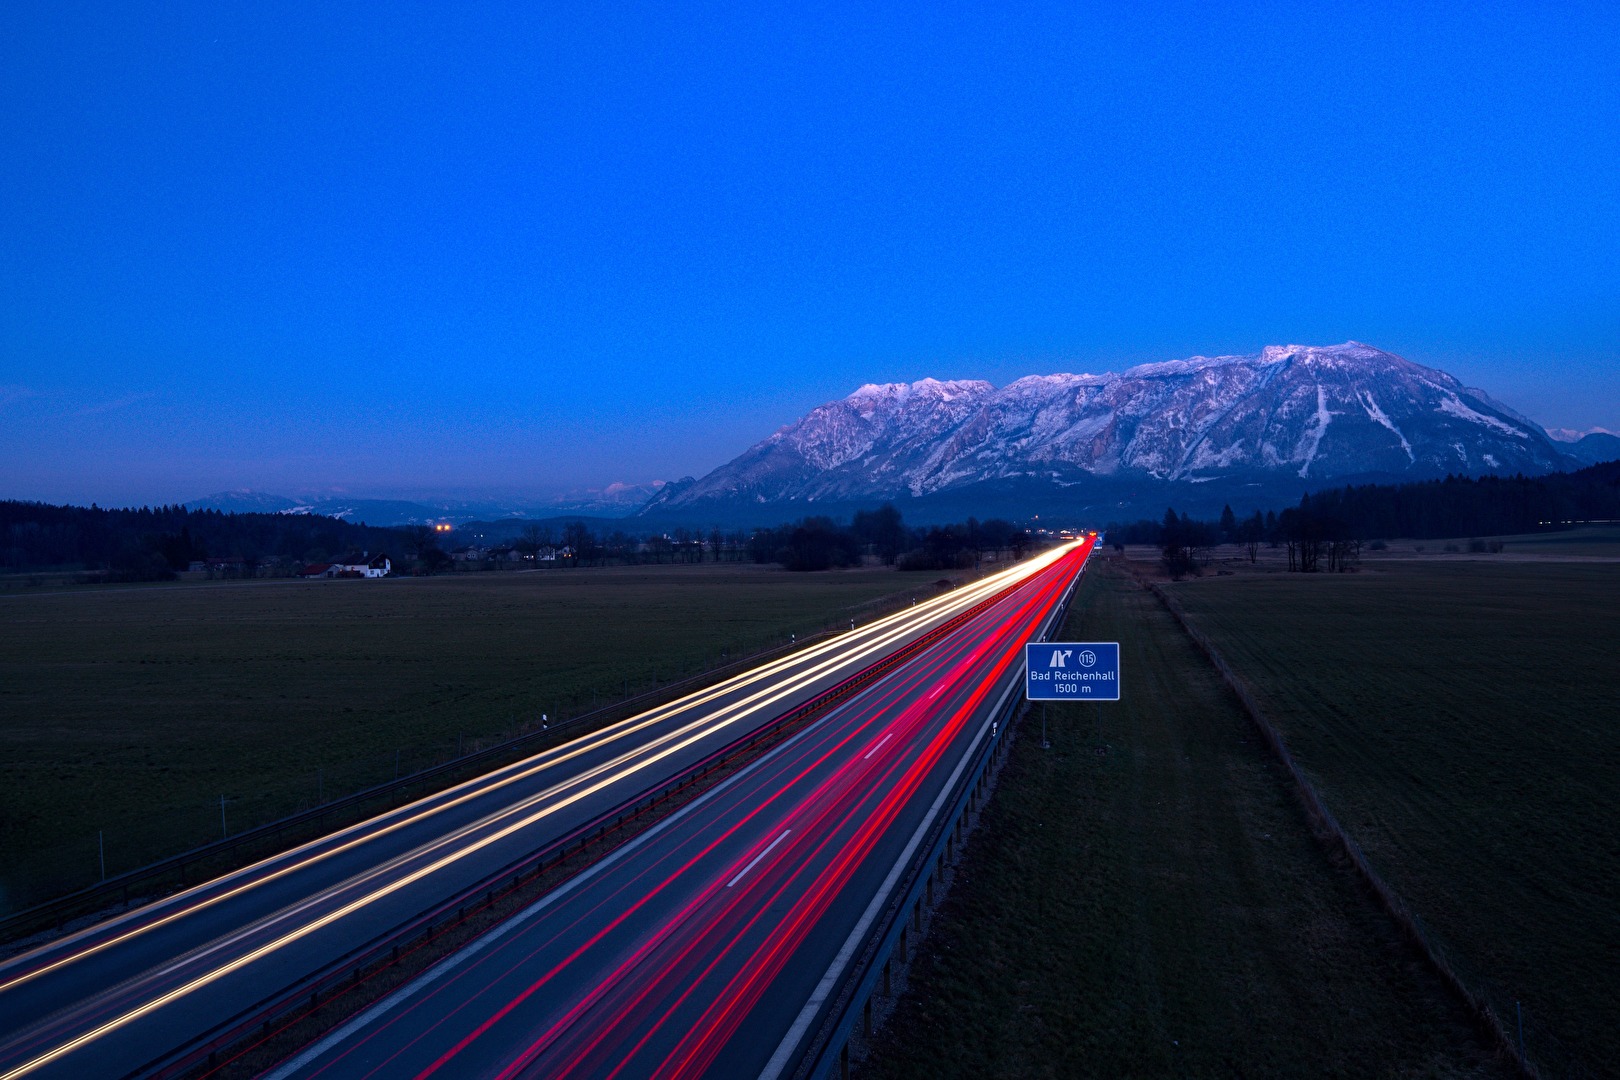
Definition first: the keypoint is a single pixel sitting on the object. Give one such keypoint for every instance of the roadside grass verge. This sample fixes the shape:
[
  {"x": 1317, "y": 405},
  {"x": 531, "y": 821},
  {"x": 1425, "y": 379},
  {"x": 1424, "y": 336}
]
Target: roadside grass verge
[
  {"x": 1146, "y": 899},
  {"x": 1461, "y": 721},
  {"x": 130, "y": 712}
]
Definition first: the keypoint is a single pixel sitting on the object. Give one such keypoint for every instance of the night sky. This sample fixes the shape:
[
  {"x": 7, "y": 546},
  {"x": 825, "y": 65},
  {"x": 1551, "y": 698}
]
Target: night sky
[{"x": 520, "y": 249}]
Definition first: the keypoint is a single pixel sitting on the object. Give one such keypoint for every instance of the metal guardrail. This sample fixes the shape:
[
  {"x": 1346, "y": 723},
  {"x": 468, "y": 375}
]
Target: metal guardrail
[
  {"x": 56, "y": 912},
  {"x": 826, "y": 1053},
  {"x": 293, "y": 1003}
]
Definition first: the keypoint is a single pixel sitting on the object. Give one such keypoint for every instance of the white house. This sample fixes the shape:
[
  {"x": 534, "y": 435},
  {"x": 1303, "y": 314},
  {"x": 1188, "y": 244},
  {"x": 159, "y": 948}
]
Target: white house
[{"x": 366, "y": 565}]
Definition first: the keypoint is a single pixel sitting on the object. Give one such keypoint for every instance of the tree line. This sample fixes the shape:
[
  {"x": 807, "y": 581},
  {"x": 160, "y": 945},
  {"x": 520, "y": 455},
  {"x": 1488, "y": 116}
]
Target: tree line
[
  {"x": 152, "y": 543},
  {"x": 155, "y": 543},
  {"x": 818, "y": 543},
  {"x": 1328, "y": 528},
  {"x": 812, "y": 543},
  {"x": 1324, "y": 531}
]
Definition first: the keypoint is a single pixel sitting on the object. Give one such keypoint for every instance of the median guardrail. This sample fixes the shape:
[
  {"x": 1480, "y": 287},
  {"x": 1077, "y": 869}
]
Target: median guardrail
[
  {"x": 277, "y": 1012},
  {"x": 894, "y": 933},
  {"x": 167, "y": 875}
]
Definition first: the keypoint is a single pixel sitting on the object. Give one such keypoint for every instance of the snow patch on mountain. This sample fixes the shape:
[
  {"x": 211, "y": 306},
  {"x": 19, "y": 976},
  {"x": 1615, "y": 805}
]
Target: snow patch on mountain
[
  {"x": 1292, "y": 411},
  {"x": 1571, "y": 435},
  {"x": 1453, "y": 406},
  {"x": 1324, "y": 417},
  {"x": 1379, "y": 417}
]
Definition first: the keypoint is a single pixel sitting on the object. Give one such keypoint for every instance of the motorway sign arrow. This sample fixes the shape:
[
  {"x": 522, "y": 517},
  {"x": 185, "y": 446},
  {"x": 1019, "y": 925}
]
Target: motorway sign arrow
[{"x": 1071, "y": 671}]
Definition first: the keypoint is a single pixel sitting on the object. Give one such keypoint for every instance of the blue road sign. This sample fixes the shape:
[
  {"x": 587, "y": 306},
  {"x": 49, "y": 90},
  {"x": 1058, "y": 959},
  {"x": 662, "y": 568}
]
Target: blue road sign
[{"x": 1071, "y": 671}]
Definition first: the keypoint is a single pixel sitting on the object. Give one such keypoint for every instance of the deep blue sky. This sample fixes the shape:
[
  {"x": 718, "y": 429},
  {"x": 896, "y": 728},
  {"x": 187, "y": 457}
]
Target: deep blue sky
[{"x": 540, "y": 246}]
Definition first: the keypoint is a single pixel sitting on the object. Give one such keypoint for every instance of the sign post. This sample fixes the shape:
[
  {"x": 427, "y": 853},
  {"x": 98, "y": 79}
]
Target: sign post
[{"x": 1071, "y": 671}]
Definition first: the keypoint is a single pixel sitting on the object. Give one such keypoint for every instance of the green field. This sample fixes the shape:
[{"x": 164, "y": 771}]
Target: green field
[
  {"x": 1145, "y": 899},
  {"x": 130, "y": 711},
  {"x": 1589, "y": 540},
  {"x": 1462, "y": 719}
]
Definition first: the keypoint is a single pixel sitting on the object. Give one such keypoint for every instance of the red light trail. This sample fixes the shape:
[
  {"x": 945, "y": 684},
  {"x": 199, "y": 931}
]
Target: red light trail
[{"x": 721, "y": 937}]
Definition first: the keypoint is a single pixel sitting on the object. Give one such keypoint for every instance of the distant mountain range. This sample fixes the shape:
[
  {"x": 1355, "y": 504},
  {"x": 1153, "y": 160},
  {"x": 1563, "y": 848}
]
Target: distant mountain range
[
  {"x": 615, "y": 500},
  {"x": 1591, "y": 447},
  {"x": 1253, "y": 431},
  {"x": 1249, "y": 430}
]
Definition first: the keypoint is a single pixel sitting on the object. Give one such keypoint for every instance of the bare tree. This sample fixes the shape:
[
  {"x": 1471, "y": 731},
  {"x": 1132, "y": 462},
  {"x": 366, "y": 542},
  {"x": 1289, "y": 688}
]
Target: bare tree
[
  {"x": 578, "y": 536},
  {"x": 532, "y": 540}
]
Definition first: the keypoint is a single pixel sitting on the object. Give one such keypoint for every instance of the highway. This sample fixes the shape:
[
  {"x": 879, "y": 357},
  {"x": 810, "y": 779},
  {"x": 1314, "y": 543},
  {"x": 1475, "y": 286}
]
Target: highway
[
  {"x": 699, "y": 948},
  {"x": 125, "y": 992}
]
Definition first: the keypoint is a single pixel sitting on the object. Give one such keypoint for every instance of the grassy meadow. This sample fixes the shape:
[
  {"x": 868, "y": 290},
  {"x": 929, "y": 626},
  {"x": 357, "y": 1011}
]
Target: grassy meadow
[
  {"x": 1462, "y": 719},
  {"x": 132, "y": 710},
  {"x": 1145, "y": 899}
]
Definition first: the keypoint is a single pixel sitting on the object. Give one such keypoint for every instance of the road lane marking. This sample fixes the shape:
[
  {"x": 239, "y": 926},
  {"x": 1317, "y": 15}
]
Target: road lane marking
[
  {"x": 457, "y": 958},
  {"x": 616, "y": 772},
  {"x": 716, "y": 721},
  {"x": 755, "y": 860},
  {"x": 829, "y": 981},
  {"x": 877, "y": 634},
  {"x": 879, "y": 745}
]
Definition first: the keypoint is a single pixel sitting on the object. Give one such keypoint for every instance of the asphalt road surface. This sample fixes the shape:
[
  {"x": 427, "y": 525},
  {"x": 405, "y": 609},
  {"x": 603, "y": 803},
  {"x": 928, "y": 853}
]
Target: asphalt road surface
[
  {"x": 104, "y": 1001},
  {"x": 699, "y": 948}
]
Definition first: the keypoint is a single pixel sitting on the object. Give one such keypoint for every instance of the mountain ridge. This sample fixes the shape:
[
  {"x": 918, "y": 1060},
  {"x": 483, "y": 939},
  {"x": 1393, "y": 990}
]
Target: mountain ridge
[
  {"x": 616, "y": 499},
  {"x": 1287, "y": 416}
]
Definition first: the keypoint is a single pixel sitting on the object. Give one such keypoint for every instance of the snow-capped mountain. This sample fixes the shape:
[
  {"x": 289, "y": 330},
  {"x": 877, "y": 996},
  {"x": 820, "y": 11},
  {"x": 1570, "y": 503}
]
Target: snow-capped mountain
[
  {"x": 367, "y": 511},
  {"x": 1591, "y": 446},
  {"x": 614, "y": 500},
  {"x": 1297, "y": 415}
]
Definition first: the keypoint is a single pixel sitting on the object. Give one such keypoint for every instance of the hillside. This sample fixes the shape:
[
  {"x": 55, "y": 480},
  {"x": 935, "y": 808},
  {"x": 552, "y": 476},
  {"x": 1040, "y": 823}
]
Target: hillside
[{"x": 1201, "y": 431}]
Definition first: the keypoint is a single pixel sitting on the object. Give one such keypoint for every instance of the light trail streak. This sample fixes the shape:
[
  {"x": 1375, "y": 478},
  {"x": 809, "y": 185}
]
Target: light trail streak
[
  {"x": 702, "y": 1043},
  {"x": 604, "y": 903},
  {"x": 896, "y": 797},
  {"x": 665, "y": 930},
  {"x": 849, "y": 858},
  {"x": 714, "y": 1034},
  {"x": 878, "y": 637}
]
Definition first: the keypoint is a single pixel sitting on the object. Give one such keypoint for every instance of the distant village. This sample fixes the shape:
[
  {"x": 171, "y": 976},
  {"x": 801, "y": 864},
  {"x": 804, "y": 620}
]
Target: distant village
[
  {"x": 354, "y": 565},
  {"x": 366, "y": 565},
  {"x": 873, "y": 538},
  {"x": 473, "y": 555}
]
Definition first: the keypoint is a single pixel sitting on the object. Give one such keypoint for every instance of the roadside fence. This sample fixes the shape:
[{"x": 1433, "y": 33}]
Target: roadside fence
[
  {"x": 291, "y": 1006},
  {"x": 251, "y": 826},
  {"x": 868, "y": 983}
]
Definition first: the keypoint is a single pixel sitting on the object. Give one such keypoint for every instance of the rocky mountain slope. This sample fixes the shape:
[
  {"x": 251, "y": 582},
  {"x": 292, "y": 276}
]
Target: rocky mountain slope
[{"x": 1291, "y": 417}]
